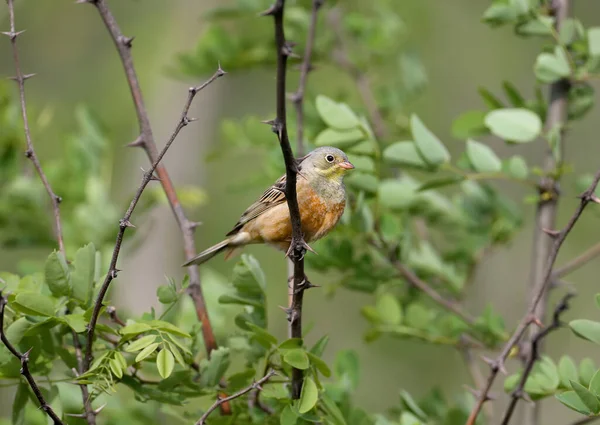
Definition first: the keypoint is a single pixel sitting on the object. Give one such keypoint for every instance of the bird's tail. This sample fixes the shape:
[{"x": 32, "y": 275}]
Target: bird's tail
[{"x": 209, "y": 253}]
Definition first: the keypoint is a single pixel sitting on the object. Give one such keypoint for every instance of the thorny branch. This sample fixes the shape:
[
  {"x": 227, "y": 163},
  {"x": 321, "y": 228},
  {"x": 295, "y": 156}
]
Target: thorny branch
[
  {"x": 559, "y": 237},
  {"x": 89, "y": 413},
  {"x": 30, "y": 152},
  {"x": 216, "y": 404},
  {"x": 24, "y": 359},
  {"x": 124, "y": 223},
  {"x": 305, "y": 68},
  {"x": 534, "y": 355},
  {"x": 298, "y": 246},
  {"x": 578, "y": 261},
  {"x": 146, "y": 142}
]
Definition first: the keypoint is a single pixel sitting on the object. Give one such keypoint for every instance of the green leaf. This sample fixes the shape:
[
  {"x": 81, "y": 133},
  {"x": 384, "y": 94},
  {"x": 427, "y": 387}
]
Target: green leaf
[
  {"x": 121, "y": 359},
  {"x": 166, "y": 294},
  {"x": 403, "y": 153},
  {"x": 334, "y": 414},
  {"x": 429, "y": 146},
  {"x": 35, "y": 304},
  {"x": 56, "y": 274},
  {"x": 115, "y": 367},
  {"x": 177, "y": 354},
  {"x": 572, "y": 401},
  {"x": 141, "y": 343},
  {"x": 389, "y": 310},
  {"x": 319, "y": 364},
  {"x": 541, "y": 25},
  {"x": 169, "y": 328},
  {"x": 597, "y": 298},
  {"x": 211, "y": 371},
  {"x": 82, "y": 276},
  {"x": 397, "y": 194},
  {"x": 288, "y": 416},
  {"x": 594, "y": 41},
  {"x": 482, "y": 157},
  {"x": 261, "y": 335},
  {"x": 346, "y": 367},
  {"x": 76, "y": 322},
  {"x": 512, "y": 93},
  {"x": 587, "y": 369},
  {"x": 363, "y": 181},
  {"x": 135, "y": 328},
  {"x": 499, "y": 14},
  {"x": 469, "y": 124},
  {"x": 586, "y": 329},
  {"x": 165, "y": 362},
  {"x": 514, "y": 125},
  {"x": 567, "y": 371},
  {"x": 440, "y": 182},
  {"x": 589, "y": 399},
  {"x": 550, "y": 68},
  {"x": 18, "y": 407},
  {"x": 291, "y": 343},
  {"x": 146, "y": 352},
  {"x": 297, "y": 358},
  {"x": 412, "y": 405},
  {"x": 338, "y": 138},
  {"x": 336, "y": 115},
  {"x": 308, "y": 396},
  {"x": 320, "y": 345},
  {"x": 491, "y": 101},
  {"x": 594, "y": 384},
  {"x": 276, "y": 391},
  {"x": 516, "y": 167}
]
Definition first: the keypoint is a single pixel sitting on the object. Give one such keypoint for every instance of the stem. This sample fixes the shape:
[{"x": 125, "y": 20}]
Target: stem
[
  {"x": 147, "y": 143},
  {"x": 30, "y": 152},
  {"x": 578, "y": 261}
]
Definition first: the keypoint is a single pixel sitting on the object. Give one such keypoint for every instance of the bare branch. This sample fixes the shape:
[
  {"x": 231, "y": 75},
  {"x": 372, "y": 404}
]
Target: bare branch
[
  {"x": 559, "y": 239},
  {"x": 30, "y": 152},
  {"x": 24, "y": 359},
  {"x": 240, "y": 393},
  {"x": 578, "y": 261},
  {"x": 146, "y": 141},
  {"x": 305, "y": 68},
  {"x": 112, "y": 271},
  {"x": 89, "y": 413},
  {"x": 298, "y": 246},
  {"x": 534, "y": 355}
]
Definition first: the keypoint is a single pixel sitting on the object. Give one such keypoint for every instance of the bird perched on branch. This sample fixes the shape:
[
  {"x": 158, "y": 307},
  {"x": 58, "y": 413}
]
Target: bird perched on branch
[{"x": 321, "y": 200}]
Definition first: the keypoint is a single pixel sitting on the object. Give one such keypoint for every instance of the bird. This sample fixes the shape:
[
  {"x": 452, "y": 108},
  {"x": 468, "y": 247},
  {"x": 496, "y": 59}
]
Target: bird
[{"x": 321, "y": 198}]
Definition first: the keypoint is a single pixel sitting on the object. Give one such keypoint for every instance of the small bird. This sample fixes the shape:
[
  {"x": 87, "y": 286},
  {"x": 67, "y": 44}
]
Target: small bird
[{"x": 321, "y": 199}]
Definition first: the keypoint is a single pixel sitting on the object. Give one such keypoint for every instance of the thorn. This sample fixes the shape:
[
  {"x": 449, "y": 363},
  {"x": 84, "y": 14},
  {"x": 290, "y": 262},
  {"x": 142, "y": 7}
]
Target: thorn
[
  {"x": 288, "y": 312},
  {"x": 551, "y": 233},
  {"x": 220, "y": 71},
  {"x": 28, "y": 153},
  {"x": 126, "y": 41},
  {"x": 99, "y": 409},
  {"x": 495, "y": 365},
  {"x": 594, "y": 199},
  {"x": 13, "y": 35},
  {"x": 269, "y": 122},
  {"x": 270, "y": 11},
  {"x": 114, "y": 273},
  {"x": 22, "y": 78},
  {"x": 534, "y": 320},
  {"x": 193, "y": 224},
  {"x": 138, "y": 142},
  {"x": 153, "y": 177},
  {"x": 125, "y": 223},
  {"x": 28, "y": 76}
]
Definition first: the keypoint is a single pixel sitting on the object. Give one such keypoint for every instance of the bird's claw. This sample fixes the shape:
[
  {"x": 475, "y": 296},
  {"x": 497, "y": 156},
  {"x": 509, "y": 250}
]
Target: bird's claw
[{"x": 301, "y": 247}]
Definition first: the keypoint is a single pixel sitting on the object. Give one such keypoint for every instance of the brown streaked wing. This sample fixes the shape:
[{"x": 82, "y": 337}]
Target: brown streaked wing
[{"x": 273, "y": 196}]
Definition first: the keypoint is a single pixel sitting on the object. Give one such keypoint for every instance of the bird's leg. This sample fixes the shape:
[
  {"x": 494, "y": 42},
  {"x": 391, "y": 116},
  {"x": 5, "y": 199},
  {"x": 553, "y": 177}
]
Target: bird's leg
[{"x": 302, "y": 247}]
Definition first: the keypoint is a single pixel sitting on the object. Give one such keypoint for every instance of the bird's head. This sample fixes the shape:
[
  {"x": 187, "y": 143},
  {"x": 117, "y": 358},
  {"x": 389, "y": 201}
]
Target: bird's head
[{"x": 328, "y": 162}]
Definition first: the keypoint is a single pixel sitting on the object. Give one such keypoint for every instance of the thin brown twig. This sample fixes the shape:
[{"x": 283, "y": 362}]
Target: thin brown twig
[
  {"x": 24, "y": 359},
  {"x": 298, "y": 246},
  {"x": 30, "y": 152},
  {"x": 147, "y": 143},
  {"x": 124, "y": 223},
  {"x": 305, "y": 68},
  {"x": 362, "y": 81},
  {"x": 534, "y": 355},
  {"x": 240, "y": 393},
  {"x": 585, "y": 421},
  {"x": 578, "y": 261},
  {"x": 89, "y": 414},
  {"x": 559, "y": 238}
]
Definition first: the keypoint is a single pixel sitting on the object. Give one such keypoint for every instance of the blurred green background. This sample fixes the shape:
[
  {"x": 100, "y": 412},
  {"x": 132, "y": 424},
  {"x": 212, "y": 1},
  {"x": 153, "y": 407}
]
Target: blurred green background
[{"x": 68, "y": 48}]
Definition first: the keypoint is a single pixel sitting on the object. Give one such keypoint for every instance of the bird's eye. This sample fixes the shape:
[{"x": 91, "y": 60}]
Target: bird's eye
[{"x": 329, "y": 158}]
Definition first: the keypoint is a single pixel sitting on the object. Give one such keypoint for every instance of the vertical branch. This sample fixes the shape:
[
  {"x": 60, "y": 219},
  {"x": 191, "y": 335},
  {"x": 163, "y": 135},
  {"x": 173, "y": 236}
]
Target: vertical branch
[
  {"x": 146, "y": 141},
  {"x": 89, "y": 414},
  {"x": 20, "y": 78},
  {"x": 548, "y": 203},
  {"x": 305, "y": 68},
  {"x": 298, "y": 247},
  {"x": 25, "y": 372}
]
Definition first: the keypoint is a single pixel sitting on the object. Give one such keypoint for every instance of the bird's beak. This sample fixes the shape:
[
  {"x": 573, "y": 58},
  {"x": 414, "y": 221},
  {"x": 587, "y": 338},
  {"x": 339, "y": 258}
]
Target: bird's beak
[{"x": 346, "y": 165}]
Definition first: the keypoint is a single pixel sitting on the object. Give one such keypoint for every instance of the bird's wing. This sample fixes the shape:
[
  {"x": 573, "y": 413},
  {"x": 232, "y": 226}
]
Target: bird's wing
[{"x": 272, "y": 197}]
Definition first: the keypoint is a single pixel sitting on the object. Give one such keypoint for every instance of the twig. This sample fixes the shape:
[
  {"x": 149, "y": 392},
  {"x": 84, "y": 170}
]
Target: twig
[
  {"x": 559, "y": 238},
  {"x": 240, "y": 393},
  {"x": 534, "y": 355},
  {"x": 89, "y": 413},
  {"x": 146, "y": 142},
  {"x": 30, "y": 152},
  {"x": 362, "y": 81},
  {"x": 414, "y": 280},
  {"x": 298, "y": 246},
  {"x": 475, "y": 372},
  {"x": 124, "y": 223},
  {"x": 305, "y": 68},
  {"x": 578, "y": 261},
  {"x": 585, "y": 421},
  {"x": 24, "y": 359},
  {"x": 112, "y": 313},
  {"x": 547, "y": 208}
]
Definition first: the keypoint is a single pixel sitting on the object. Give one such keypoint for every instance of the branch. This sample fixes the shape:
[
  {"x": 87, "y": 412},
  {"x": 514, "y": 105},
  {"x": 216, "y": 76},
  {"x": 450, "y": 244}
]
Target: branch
[
  {"x": 30, "y": 152},
  {"x": 89, "y": 413},
  {"x": 362, "y": 81},
  {"x": 24, "y": 359},
  {"x": 534, "y": 355},
  {"x": 216, "y": 404},
  {"x": 547, "y": 208},
  {"x": 146, "y": 142},
  {"x": 305, "y": 68},
  {"x": 578, "y": 261},
  {"x": 124, "y": 223},
  {"x": 559, "y": 238},
  {"x": 298, "y": 246},
  {"x": 585, "y": 421}
]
